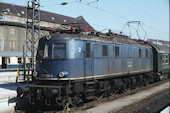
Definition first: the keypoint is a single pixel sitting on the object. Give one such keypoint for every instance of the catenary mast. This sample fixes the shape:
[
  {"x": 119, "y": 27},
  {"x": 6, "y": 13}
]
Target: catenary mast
[{"x": 32, "y": 35}]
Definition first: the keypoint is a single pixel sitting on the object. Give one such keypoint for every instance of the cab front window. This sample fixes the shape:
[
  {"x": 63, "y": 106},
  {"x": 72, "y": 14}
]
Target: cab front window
[
  {"x": 59, "y": 50},
  {"x": 48, "y": 51},
  {"x": 40, "y": 51}
]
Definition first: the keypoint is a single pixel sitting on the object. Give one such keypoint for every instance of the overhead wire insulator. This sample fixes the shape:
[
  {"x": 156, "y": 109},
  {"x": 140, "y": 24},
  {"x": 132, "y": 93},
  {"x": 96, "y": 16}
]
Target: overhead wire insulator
[
  {"x": 92, "y": 2},
  {"x": 64, "y": 3}
]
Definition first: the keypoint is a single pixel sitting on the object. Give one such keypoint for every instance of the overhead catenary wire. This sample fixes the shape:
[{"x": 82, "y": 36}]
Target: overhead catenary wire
[
  {"x": 120, "y": 16},
  {"x": 63, "y": 3},
  {"x": 106, "y": 11},
  {"x": 113, "y": 13},
  {"x": 148, "y": 13},
  {"x": 110, "y": 12},
  {"x": 92, "y": 2}
]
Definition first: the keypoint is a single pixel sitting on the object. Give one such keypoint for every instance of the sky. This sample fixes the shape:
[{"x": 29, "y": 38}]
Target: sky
[{"x": 114, "y": 14}]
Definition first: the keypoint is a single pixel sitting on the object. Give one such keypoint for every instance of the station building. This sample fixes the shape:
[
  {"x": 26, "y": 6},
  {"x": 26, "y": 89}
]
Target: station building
[{"x": 12, "y": 31}]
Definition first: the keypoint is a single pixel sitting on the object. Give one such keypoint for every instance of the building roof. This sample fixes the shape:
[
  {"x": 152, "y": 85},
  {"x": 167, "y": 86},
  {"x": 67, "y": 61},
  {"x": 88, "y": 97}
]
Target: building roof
[{"x": 47, "y": 16}]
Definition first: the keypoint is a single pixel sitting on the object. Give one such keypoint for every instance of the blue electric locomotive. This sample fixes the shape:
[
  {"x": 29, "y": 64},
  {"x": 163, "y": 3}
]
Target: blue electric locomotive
[
  {"x": 74, "y": 67},
  {"x": 72, "y": 57}
]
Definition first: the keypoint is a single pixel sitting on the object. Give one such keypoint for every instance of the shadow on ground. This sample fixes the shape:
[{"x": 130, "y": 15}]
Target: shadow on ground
[{"x": 13, "y": 86}]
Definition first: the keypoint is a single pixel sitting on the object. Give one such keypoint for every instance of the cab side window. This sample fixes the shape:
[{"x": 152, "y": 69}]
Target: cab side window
[
  {"x": 104, "y": 50},
  {"x": 146, "y": 53},
  {"x": 87, "y": 50},
  {"x": 117, "y": 51},
  {"x": 140, "y": 53}
]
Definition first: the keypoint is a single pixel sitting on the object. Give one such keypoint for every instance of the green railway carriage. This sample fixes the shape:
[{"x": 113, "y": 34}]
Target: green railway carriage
[
  {"x": 161, "y": 59},
  {"x": 163, "y": 63}
]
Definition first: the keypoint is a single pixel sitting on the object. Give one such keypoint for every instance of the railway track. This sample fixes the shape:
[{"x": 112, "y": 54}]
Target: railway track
[
  {"x": 23, "y": 107},
  {"x": 114, "y": 97}
]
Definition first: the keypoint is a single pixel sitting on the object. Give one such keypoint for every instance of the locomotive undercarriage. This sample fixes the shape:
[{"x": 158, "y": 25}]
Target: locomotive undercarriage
[{"x": 77, "y": 92}]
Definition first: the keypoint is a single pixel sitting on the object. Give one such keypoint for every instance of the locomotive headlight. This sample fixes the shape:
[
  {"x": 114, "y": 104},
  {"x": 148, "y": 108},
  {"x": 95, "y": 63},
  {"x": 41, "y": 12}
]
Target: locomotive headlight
[
  {"x": 62, "y": 74},
  {"x": 35, "y": 73}
]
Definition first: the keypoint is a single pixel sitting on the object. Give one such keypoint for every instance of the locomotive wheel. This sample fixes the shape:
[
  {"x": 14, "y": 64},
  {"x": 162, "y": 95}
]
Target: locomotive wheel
[
  {"x": 107, "y": 92},
  {"x": 99, "y": 95},
  {"x": 123, "y": 89},
  {"x": 145, "y": 82},
  {"x": 114, "y": 92},
  {"x": 134, "y": 84},
  {"x": 128, "y": 85},
  {"x": 76, "y": 100},
  {"x": 61, "y": 101}
]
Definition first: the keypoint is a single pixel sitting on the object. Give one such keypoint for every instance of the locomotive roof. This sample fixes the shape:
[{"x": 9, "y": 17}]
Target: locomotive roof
[{"x": 116, "y": 39}]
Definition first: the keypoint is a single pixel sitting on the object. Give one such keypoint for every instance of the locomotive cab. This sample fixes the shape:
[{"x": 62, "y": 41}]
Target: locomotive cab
[{"x": 57, "y": 58}]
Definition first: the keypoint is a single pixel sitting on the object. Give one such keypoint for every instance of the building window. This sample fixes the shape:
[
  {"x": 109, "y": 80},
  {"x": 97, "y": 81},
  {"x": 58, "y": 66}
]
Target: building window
[
  {"x": 22, "y": 12},
  {"x": 140, "y": 53},
  {"x": 1, "y": 16},
  {"x": 12, "y": 45},
  {"x": 65, "y": 20},
  {"x": 19, "y": 60},
  {"x": 9, "y": 60},
  {"x": 117, "y": 52},
  {"x": 52, "y": 18},
  {"x": 104, "y": 50},
  {"x": 87, "y": 50},
  {"x": 12, "y": 31},
  {"x": 30, "y": 59}
]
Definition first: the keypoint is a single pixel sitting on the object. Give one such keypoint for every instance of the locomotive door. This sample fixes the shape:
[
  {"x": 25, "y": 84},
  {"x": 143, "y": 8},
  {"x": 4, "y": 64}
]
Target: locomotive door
[{"x": 89, "y": 59}]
